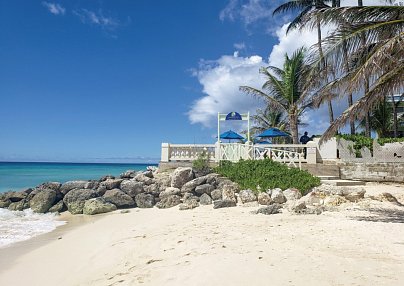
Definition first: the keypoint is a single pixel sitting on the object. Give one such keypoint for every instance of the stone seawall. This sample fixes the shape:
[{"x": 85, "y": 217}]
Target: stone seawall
[{"x": 375, "y": 172}]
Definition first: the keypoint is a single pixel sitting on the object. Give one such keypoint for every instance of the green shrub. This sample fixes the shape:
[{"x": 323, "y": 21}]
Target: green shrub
[
  {"x": 267, "y": 174},
  {"x": 383, "y": 141},
  {"x": 202, "y": 163}
]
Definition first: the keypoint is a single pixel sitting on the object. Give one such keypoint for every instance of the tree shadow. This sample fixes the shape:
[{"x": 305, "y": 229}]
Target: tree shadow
[{"x": 383, "y": 215}]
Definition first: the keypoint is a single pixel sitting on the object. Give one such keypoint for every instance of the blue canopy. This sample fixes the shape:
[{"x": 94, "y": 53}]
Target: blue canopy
[
  {"x": 231, "y": 135},
  {"x": 273, "y": 132}
]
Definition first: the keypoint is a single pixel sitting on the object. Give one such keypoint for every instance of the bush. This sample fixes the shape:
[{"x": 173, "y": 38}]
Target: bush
[
  {"x": 267, "y": 174},
  {"x": 202, "y": 163}
]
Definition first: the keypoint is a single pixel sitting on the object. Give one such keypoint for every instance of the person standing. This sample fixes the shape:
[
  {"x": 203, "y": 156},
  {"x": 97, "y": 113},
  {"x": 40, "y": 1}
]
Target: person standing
[{"x": 305, "y": 138}]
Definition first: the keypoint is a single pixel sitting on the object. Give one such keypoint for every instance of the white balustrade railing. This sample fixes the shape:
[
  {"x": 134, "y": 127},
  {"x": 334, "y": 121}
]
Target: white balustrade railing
[{"x": 291, "y": 154}]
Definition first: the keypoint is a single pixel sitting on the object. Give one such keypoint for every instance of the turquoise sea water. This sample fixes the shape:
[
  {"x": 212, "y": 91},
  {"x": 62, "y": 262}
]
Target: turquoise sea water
[{"x": 17, "y": 175}]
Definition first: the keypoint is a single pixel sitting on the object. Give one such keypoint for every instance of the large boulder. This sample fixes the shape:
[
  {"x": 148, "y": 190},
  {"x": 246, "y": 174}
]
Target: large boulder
[
  {"x": 70, "y": 185},
  {"x": 58, "y": 207},
  {"x": 170, "y": 191},
  {"x": 292, "y": 194},
  {"x": 97, "y": 206},
  {"x": 204, "y": 189},
  {"x": 15, "y": 196},
  {"x": 223, "y": 204},
  {"x": 180, "y": 176},
  {"x": 189, "y": 204},
  {"x": 311, "y": 199},
  {"x": 106, "y": 177},
  {"x": 144, "y": 200},
  {"x": 216, "y": 194},
  {"x": 264, "y": 199},
  {"x": 111, "y": 184},
  {"x": 43, "y": 201},
  {"x": 191, "y": 185},
  {"x": 19, "y": 206},
  {"x": 5, "y": 203},
  {"x": 75, "y": 199},
  {"x": 277, "y": 196},
  {"x": 205, "y": 199},
  {"x": 296, "y": 206},
  {"x": 226, "y": 183},
  {"x": 128, "y": 174},
  {"x": 132, "y": 187},
  {"x": 153, "y": 189},
  {"x": 228, "y": 193},
  {"x": 354, "y": 195},
  {"x": 247, "y": 196},
  {"x": 144, "y": 179},
  {"x": 168, "y": 202},
  {"x": 49, "y": 186},
  {"x": 118, "y": 198}
]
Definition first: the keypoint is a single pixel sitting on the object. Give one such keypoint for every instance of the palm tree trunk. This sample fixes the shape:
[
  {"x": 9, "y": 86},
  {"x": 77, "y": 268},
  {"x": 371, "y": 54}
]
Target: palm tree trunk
[
  {"x": 395, "y": 124},
  {"x": 293, "y": 128},
  {"x": 323, "y": 63}
]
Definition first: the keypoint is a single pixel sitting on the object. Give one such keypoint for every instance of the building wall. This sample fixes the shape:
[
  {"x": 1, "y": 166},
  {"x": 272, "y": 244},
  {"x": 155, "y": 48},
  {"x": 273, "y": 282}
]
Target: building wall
[{"x": 376, "y": 172}]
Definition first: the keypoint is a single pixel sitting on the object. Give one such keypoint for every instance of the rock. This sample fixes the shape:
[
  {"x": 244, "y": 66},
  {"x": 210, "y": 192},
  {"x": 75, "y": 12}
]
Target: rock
[
  {"x": 180, "y": 176},
  {"x": 43, "y": 201},
  {"x": 189, "y": 204},
  {"x": 153, "y": 189},
  {"x": 205, "y": 199},
  {"x": 168, "y": 202},
  {"x": 204, "y": 189},
  {"x": 187, "y": 196},
  {"x": 118, "y": 198},
  {"x": 148, "y": 173},
  {"x": 211, "y": 179},
  {"x": 228, "y": 193},
  {"x": 111, "y": 184},
  {"x": 269, "y": 192},
  {"x": 132, "y": 187},
  {"x": 5, "y": 203},
  {"x": 296, "y": 206},
  {"x": 101, "y": 190},
  {"x": 107, "y": 177},
  {"x": 216, "y": 194},
  {"x": 277, "y": 196},
  {"x": 264, "y": 199},
  {"x": 19, "y": 206},
  {"x": 387, "y": 197},
  {"x": 68, "y": 186},
  {"x": 144, "y": 200},
  {"x": 227, "y": 184},
  {"x": 224, "y": 204},
  {"x": 334, "y": 200},
  {"x": 163, "y": 182},
  {"x": 292, "y": 194},
  {"x": 191, "y": 185},
  {"x": 75, "y": 199},
  {"x": 311, "y": 199},
  {"x": 128, "y": 174},
  {"x": 15, "y": 196},
  {"x": 247, "y": 196},
  {"x": 268, "y": 210},
  {"x": 354, "y": 195},
  {"x": 49, "y": 186},
  {"x": 58, "y": 207},
  {"x": 97, "y": 206},
  {"x": 144, "y": 179},
  {"x": 170, "y": 191}
]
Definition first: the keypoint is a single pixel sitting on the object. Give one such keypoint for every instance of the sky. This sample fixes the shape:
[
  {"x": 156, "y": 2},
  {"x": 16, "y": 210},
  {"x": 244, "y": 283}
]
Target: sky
[{"x": 110, "y": 80}]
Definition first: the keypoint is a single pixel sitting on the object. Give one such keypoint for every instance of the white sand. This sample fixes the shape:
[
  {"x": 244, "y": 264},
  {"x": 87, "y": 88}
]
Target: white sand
[{"x": 217, "y": 247}]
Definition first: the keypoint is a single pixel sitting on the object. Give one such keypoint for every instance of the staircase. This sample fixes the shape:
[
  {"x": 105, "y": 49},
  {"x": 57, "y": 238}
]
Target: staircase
[{"x": 329, "y": 174}]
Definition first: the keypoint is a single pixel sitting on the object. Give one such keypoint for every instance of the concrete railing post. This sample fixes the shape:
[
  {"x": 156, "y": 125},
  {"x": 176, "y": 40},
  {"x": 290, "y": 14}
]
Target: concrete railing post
[
  {"x": 311, "y": 152},
  {"x": 165, "y": 152},
  {"x": 217, "y": 152}
]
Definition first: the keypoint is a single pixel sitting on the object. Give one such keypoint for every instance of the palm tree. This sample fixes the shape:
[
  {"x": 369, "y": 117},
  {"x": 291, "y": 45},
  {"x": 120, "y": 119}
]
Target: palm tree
[
  {"x": 305, "y": 7},
  {"x": 379, "y": 61},
  {"x": 267, "y": 118},
  {"x": 283, "y": 89},
  {"x": 381, "y": 119}
]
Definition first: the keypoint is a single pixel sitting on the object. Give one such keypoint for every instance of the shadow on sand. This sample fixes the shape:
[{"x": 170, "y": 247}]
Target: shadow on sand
[{"x": 383, "y": 215}]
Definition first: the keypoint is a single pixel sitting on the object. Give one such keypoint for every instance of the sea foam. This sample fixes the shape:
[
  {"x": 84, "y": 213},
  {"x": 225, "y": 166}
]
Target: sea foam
[{"x": 22, "y": 225}]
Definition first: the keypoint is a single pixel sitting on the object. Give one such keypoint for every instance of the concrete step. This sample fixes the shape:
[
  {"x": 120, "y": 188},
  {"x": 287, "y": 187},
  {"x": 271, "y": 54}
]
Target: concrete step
[
  {"x": 329, "y": 177},
  {"x": 322, "y": 170},
  {"x": 341, "y": 183}
]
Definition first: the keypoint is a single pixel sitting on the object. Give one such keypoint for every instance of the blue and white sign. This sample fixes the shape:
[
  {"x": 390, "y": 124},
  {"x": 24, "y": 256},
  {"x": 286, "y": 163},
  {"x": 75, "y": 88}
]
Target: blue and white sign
[{"x": 233, "y": 116}]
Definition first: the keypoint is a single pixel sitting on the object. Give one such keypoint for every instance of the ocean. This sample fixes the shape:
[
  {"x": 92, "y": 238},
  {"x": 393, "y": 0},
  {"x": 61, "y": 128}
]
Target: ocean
[{"x": 22, "y": 225}]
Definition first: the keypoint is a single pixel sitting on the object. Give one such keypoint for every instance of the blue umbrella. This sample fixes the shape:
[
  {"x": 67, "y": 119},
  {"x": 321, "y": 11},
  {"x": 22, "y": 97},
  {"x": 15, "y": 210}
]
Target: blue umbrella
[
  {"x": 273, "y": 132},
  {"x": 231, "y": 135}
]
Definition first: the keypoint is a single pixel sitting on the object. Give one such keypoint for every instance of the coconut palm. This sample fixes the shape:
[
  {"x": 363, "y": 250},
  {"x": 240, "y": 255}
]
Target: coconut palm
[
  {"x": 267, "y": 118},
  {"x": 381, "y": 119},
  {"x": 305, "y": 7},
  {"x": 379, "y": 61},
  {"x": 283, "y": 89}
]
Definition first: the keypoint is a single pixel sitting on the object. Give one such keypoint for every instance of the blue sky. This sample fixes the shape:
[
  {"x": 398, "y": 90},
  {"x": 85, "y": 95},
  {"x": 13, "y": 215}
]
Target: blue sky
[{"x": 111, "y": 80}]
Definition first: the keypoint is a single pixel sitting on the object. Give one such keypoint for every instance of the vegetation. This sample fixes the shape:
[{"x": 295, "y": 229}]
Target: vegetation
[
  {"x": 283, "y": 90},
  {"x": 202, "y": 163},
  {"x": 267, "y": 174}
]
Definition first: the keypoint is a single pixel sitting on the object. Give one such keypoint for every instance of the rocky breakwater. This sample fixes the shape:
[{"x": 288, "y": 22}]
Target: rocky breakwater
[
  {"x": 183, "y": 187},
  {"x": 131, "y": 189}
]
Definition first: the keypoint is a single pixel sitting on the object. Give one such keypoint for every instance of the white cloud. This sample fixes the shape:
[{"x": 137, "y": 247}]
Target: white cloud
[
  {"x": 54, "y": 8},
  {"x": 220, "y": 80},
  {"x": 96, "y": 18},
  {"x": 239, "y": 46}
]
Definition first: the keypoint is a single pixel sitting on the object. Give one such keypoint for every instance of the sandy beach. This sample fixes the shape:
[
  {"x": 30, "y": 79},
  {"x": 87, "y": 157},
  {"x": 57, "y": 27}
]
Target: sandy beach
[{"x": 227, "y": 246}]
